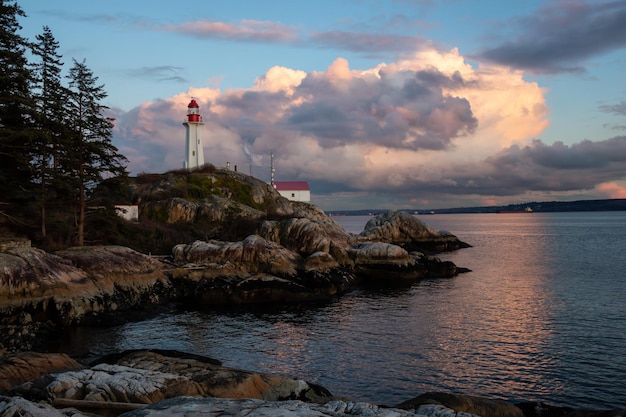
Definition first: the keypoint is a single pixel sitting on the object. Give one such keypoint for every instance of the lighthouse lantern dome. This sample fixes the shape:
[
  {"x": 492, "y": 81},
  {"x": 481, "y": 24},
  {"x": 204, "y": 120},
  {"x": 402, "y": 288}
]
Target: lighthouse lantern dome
[{"x": 193, "y": 112}]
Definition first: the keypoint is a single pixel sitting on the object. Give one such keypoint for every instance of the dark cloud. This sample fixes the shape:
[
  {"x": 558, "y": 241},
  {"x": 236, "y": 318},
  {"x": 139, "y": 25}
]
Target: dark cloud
[
  {"x": 243, "y": 31},
  {"x": 404, "y": 111},
  {"x": 88, "y": 18},
  {"x": 540, "y": 167},
  {"x": 159, "y": 73},
  {"x": 513, "y": 171},
  {"x": 617, "y": 109},
  {"x": 366, "y": 42},
  {"x": 399, "y": 111},
  {"x": 558, "y": 37}
]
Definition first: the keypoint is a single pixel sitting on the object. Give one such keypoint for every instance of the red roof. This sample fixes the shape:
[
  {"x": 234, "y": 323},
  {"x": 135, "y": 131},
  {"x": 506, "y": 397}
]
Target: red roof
[
  {"x": 193, "y": 103},
  {"x": 291, "y": 185}
]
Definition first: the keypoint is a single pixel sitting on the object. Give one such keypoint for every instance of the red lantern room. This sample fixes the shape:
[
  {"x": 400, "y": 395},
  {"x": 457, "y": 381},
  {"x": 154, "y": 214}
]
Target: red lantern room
[{"x": 193, "y": 112}]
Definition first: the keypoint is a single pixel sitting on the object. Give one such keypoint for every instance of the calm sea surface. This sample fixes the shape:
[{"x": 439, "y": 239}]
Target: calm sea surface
[{"x": 541, "y": 317}]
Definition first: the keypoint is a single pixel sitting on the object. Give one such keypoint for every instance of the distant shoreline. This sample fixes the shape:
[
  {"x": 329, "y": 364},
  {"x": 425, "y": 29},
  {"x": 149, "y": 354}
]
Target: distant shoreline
[{"x": 535, "y": 207}]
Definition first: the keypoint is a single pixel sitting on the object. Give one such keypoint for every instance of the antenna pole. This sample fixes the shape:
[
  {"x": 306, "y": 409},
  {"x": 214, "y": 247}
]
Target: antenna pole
[{"x": 272, "y": 171}]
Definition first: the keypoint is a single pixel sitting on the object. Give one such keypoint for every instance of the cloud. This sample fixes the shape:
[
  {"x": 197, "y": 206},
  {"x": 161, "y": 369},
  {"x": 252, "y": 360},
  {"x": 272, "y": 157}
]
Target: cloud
[
  {"x": 558, "y": 36},
  {"x": 367, "y": 42},
  {"x": 427, "y": 127},
  {"x": 159, "y": 73},
  {"x": 612, "y": 190},
  {"x": 244, "y": 31},
  {"x": 616, "y": 109}
]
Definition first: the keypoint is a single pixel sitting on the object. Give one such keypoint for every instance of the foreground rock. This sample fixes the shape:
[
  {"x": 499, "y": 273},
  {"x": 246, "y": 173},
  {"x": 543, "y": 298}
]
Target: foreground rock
[
  {"x": 171, "y": 383},
  {"x": 16, "y": 369},
  {"x": 217, "y": 407},
  {"x": 145, "y": 377},
  {"x": 140, "y": 378},
  {"x": 254, "y": 408}
]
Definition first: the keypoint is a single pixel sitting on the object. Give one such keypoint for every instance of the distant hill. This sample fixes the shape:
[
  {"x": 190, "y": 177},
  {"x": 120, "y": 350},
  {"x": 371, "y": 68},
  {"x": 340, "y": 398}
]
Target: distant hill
[{"x": 536, "y": 207}]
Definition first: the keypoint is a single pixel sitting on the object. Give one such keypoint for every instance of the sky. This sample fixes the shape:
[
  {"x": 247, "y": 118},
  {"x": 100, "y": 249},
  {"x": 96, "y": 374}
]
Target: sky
[{"x": 378, "y": 104}]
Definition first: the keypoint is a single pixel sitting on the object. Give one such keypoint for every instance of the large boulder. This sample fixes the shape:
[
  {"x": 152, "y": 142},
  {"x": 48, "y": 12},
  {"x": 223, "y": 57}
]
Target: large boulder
[
  {"x": 309, "y": 235},
  {"x": 253, "y": 255},
  {"x": 254, "y": 270},
  {"x": 406, "y": 230},
  {"x": 146, "y": 377}
]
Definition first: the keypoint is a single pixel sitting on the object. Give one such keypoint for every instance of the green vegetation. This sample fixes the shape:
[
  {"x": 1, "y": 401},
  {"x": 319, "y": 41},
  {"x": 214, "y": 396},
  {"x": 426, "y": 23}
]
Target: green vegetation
[
  {"x": 61, "y": 176},
  {"x": 55, "y": 140}
]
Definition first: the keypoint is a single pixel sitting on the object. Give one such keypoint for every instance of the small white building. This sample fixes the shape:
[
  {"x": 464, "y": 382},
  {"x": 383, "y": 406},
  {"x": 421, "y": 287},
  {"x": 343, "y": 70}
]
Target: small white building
[
  {"x": 294, "y": 190},
  {"x": 128, "y": 212}
]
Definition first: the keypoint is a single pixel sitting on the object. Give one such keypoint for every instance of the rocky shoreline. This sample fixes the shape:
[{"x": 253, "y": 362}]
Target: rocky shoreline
[
  {"x": 170, "y": 383},
  {"x": 291, "y": 261},
  {"x": 301, "y": 258}
]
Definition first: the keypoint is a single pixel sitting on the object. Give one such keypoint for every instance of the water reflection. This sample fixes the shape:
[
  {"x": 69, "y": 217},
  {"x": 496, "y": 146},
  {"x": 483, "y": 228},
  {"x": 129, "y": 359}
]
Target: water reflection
[{"x": 540, "y": 317}]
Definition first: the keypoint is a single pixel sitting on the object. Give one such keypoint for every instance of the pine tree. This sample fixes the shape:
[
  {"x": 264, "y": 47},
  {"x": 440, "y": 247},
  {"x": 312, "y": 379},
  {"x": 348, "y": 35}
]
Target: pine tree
[
  {"x": 92, "y": 155},
  {"x": 50, "y": 98},
  {"x": 16, "y": 104}
]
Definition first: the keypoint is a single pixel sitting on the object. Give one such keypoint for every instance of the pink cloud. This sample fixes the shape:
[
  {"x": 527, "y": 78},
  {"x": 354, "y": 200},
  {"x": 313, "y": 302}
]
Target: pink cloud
[
  {"x": 612, "y": 189},
  {"x": 245, "y": 30},
  {"x": 429, "y": 126}
]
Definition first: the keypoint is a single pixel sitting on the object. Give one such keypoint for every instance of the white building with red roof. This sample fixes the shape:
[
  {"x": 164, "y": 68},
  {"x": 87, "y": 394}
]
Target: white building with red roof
[{"x": 294, "y": 190}]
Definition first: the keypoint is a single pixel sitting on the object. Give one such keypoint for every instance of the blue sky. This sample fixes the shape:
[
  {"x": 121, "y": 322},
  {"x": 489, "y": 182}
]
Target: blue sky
[{"x": 377, "y": 103}]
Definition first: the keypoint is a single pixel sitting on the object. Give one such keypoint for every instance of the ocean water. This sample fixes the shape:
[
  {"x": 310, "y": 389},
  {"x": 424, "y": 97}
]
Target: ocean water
[{"x": 541, "y": 317}]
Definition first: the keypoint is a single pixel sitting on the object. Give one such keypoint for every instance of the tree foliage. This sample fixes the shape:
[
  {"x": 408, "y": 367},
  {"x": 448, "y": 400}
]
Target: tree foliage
[
  {"x": 16, "y": 104},
  {"x": 50, "y": 138},
  {"x": 92, "y": 154},
  {"x": 55, "y": 140}
]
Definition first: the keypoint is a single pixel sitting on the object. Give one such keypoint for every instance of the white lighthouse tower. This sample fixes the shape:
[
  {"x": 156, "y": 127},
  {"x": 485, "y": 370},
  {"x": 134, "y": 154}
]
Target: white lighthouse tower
[{"x": 194, "y": 155}]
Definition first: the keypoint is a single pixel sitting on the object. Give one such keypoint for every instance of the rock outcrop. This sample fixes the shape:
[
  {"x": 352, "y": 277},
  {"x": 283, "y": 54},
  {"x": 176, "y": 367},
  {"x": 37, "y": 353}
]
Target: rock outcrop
[
  {"x": 144, "y": 377},
  {"x": 170, "y": 383},
  {"x": 40, "y": 291},
  {"x": 292, "y": 260},
  {"x": 403, "y": 229}
]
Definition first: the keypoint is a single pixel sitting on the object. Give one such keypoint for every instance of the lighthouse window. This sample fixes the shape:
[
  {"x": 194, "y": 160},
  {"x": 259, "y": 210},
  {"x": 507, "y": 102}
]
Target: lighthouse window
[
  {"x": 193, "y": 153},
  {"x": 293, "y": 194}
]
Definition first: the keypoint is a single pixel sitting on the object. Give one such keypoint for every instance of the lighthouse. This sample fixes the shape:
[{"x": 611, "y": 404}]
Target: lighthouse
[{"x": 194, "y": 155}]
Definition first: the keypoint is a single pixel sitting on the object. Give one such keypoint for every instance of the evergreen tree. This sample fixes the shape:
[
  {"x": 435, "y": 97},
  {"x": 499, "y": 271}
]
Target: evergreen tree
[
  {"x": 16, "y": 105},
  {"x": 92, "y": 155},
  {"x": 50, "y": 98}
]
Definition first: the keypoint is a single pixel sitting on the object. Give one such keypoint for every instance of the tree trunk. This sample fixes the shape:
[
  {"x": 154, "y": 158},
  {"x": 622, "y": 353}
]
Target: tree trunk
[{"x": 81, "y": 216}]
